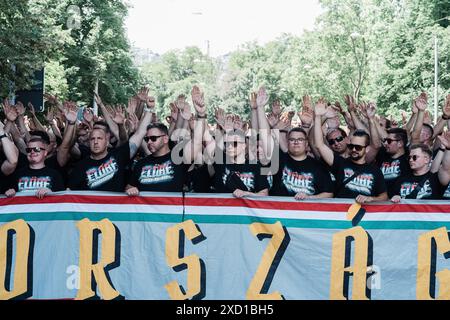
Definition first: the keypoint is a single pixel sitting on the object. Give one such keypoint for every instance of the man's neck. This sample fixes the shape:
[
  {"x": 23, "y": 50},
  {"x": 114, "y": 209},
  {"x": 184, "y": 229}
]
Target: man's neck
[
  {"x": 161, "y": 152},
  {"x": 422, "y": 171},
  {"x": 398, "y": 154},
  {"x": 359, "y": 161},
  {"x": 300, "y": 157},
  {"x": 99, "y": 156},
  {"x": 37, "y": 166}
]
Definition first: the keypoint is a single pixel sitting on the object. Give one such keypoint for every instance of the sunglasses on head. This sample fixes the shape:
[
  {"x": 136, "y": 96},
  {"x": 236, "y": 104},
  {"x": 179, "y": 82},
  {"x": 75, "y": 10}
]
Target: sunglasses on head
[
  {"x": 152, "y": 138},
  {"x": 389, "y": 140},
  {"x": 357, "y": 147},
  {"x": 35, "y": 149},
  {"x": 333, "y": 141}
]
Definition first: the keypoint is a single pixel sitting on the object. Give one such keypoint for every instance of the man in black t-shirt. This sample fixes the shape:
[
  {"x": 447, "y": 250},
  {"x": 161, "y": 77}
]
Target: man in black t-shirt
[
  {"x": 354, "y": 177},
  {"x": 392, "y": 158},
  {"x": 431, "y": 184},
  {"x": 157, "y": 172},
  {"x": 36, "y": 177},
  {"x": 105, "y": 170},
  {"x": 299, "y": 175}
]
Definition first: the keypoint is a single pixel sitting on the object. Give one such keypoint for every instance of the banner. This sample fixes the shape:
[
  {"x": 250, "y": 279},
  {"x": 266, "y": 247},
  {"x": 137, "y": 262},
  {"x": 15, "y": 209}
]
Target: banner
[{"x": 85, "y": 245}]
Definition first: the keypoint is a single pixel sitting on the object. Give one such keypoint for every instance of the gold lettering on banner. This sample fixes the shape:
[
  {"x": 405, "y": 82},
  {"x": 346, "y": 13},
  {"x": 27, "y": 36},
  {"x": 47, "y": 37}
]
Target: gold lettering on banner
[
  {"x": 108, "y": 257},
  {"x": 266, "y": 270},
  {"x": 426, "y": 262},
  {"x": 23, "y": 237},
  {"x": 341, "y": 256},
  {"x": 176, "y": 260}
]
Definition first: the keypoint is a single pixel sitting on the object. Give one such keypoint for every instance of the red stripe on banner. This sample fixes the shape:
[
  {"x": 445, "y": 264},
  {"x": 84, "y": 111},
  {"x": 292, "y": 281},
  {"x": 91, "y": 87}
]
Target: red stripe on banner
[
  {"x": 93, "y": 199},
  {"x": 308, "y": 206}
]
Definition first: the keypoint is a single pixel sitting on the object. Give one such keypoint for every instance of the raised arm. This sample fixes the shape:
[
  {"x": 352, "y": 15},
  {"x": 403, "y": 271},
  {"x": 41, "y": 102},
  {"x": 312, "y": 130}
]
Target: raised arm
[
  {"x": 136, "y": 138},
  {"x": 11, "y": 153},
  {"x": 264, "y": 127},
  {"x": 375, "y": 140},
  {"x": 444, "y": 171},
  {"x": 63, "y": 153},
  {"x": 421, "y": 105},
  {"x": 325, "y": 152}
]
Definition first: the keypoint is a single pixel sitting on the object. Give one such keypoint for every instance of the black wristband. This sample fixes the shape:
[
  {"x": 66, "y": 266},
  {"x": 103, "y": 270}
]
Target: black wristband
[
  {"x": 442, "y": 149},
  {"x": 201, "y": 117},
  {"x": 71, "y": 122},
  {"x": 3, "y": 136},
  {"x": 444, "y": 117}
]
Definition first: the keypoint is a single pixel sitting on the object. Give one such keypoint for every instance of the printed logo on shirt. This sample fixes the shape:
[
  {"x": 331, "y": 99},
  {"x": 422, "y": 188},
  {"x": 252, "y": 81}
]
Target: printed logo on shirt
[
  {"x": 407, "y": 187},
  {"x": 447, "y": 192},
  {"x": 363, "y": 183},
  {"x": 248, "y": 178},
  {"x": 157, "y": 173},
  {"x": 34, "y": 183},
  {"x": 99, "y": 175},
  {"x": 391, "y": 170},
  {"x": 296, "y": 182}
]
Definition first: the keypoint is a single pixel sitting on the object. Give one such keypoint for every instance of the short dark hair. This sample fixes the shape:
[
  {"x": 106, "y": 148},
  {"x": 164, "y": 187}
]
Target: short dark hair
[
  {"x": 425, "y": 149},
  {"x": 160, "y": 126},
  {"x": 41, "y": 134},
  {"x": 38, "y": 139},
  {"x": 400, "y": 134},
  {"x": 297, "y": 129},
  {"x": 362, "y": 133},
  {"x": 102, "y": 124}
]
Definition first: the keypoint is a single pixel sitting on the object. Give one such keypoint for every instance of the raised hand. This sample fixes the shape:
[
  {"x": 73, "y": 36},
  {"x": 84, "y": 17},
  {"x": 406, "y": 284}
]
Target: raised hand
[
  {"x": 229, "y": 123},
  {"x": 237, "y": 123},
  {"x": 350, "y": 102},
  {"x": 98, "y": 100},
  {"x": 70, "y": 111},
  {"x": 320, "y": 108},
  {"x": 333, "y": 123},
  {"x": 444, "y": 139},
  {"x": 272, "y": 119},
  {"x": 119, "y": 114},
  {"x": 276, "y": 108},
  {"x": 10, "y": 112},
  {"x": 427, "y": 117},
  {"x": 446, "y": 109},
  {"x": 404, "y": 118},
  {"x": 307, "y": 103},
  {"x": 371, "y": 110},
  {"x": 337, "y": 106},
  {"x": 198, "y": 100},
  {"x": 220, "y": 117},
  {"x": 331, "y": 113},
  {"x": 133, "y": 103},
  {"x": 173, "y": 111},
  {"x": 262, "y": 97},
  {"x": 30, "y": 108},
  {"x": 50, "y": 115},
  {"x": 253, "y": 103},
  {"x": 143, "y": 94},
  {"x": 88, "y": 115},
  {"x": 185, "y": 113},
  {"x": 421, "y": 101}
]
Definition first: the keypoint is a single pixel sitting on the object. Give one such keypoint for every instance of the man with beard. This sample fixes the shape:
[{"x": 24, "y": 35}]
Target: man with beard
[
  {"x": 354, "y": 177},
  {"x": 392, "y": 158}
]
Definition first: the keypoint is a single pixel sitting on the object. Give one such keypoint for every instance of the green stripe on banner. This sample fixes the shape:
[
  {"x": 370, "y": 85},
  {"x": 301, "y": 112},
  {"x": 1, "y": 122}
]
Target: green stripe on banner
[
  {"x": 93, "y": 216},
  {"x": 320, "y": 224},
  {"x": 222, "y": 219}
]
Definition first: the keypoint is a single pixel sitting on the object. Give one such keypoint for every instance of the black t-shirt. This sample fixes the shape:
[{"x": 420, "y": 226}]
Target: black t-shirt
[
  {"x": 431, "y": 188},
  {"x": 199, "y": 180},
  {"x": 107, "y": 174},
  {"x": 308, "y": 176},
  {"x": 246, "y": 177},
  {"x": 4, "y": 180},
  {"x": 391, "y": 168},
  {"x": 369, "y": 181},
  {"x": 51, "y": 162},
  {"x": 158, "y": 174},
  {"x": 27, "y": 179}
]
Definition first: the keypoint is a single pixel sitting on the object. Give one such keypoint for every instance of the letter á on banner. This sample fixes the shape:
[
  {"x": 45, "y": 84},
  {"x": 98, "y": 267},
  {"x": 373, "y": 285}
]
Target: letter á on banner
[
  {"x": 341, "y": 268},
  {"x": 260, "y": 283},
  {"x": 196, "y": 272},
  {"x": 23, "y": 268},
  {"x": 429, "y": 243},
  {"x": 90, "y": 265}
]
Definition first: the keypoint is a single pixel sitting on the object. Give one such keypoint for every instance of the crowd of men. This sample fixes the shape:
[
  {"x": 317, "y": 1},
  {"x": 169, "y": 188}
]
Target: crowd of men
[{"x": 323, "y": 151}]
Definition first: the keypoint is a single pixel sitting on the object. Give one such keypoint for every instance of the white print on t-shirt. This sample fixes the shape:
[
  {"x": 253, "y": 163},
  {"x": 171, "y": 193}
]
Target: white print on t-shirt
[
  {"x": 447, "y": 192},
  {"x": 391, "y": 170},
  {"x": 34, "y": 183},
  {"x": 298, "y": 182},
  {"x": 157, "y": 173},
  {"x": 407, "y": 187},
  {"x": 363, "y": 183},
  {"x": 248, "y": 178},
  {"x": 97, "y": 176}
]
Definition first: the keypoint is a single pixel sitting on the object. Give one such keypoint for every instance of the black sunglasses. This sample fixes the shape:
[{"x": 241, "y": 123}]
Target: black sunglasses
[
  {"x": 414, "y": 158},
  {"x": 333, "y": 141},
  {"x": 358, "y": 148},
  {"x": 153, "y": 138},
  {"x": 35, "y": 149},
  {"x": 389, "y": 140}
]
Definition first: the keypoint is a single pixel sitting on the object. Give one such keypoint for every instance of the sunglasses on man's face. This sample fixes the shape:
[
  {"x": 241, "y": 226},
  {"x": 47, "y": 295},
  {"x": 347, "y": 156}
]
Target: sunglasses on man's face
[
  {"x": 333, "y": 141},
  {"x": 35, "y": 150},
  {"x": 152, "y": 138},
  {"x": 357, "y": 147},
  {"x": 389, "y": 140},
  {"x": 413, "y": 158}
]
